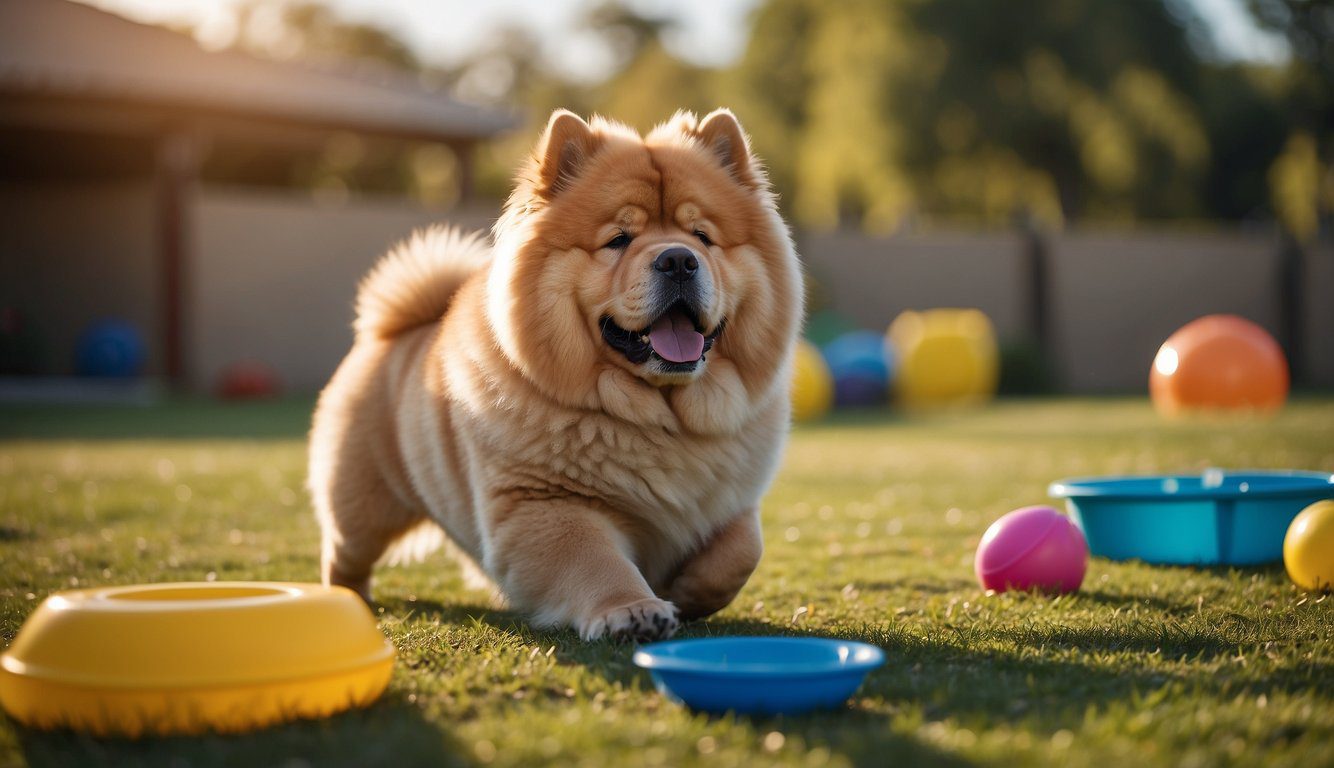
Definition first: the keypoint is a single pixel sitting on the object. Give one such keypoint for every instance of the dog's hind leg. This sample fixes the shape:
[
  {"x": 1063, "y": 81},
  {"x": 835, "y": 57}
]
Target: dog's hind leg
[
  {"x": 360, "y": 516},
  {"x": 357, "y": 531}
]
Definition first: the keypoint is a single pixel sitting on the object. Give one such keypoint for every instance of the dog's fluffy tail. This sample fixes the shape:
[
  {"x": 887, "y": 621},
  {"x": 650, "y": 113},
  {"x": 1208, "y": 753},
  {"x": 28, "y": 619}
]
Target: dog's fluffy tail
[{"x": 414, "y": 283}]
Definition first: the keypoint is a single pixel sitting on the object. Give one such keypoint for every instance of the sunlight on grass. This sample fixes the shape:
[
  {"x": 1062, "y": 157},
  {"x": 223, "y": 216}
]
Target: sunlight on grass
[{"x": 870, "y": 532}]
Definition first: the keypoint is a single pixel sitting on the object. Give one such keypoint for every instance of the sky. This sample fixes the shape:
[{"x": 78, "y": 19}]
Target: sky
[{"x": 709, "y": 32}]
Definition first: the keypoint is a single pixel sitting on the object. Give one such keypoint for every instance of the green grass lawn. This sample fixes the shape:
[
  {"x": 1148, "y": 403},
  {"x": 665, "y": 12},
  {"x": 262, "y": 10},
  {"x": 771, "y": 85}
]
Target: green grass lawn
[{"x": 870, "y": 532}]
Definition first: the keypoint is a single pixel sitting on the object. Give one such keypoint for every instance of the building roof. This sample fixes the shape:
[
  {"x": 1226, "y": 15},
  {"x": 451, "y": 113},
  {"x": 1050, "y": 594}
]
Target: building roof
[{"x": 67, "y": 51}]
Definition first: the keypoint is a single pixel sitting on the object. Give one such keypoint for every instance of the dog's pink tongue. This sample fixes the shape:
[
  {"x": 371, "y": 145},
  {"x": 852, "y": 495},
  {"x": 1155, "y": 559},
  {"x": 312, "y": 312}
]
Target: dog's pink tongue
[{"x": 674, "y": 338}]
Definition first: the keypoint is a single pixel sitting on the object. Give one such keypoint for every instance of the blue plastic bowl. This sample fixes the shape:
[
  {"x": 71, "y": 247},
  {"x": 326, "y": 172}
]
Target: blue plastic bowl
[
  {"x": 1217, "y": 518},
  {"x": 759, "y": 675}
]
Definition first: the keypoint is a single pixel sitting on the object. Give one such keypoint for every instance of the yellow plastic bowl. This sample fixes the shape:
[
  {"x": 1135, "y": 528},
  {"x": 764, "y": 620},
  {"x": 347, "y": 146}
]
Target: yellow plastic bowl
[{"x": 193, "y": 657}]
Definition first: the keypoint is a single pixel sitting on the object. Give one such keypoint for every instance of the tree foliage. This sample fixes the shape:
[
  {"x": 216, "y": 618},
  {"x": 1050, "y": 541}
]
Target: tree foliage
[
  {"x": 880, "y": 113},
  {"x": 1301, "y": 178},
  {"x": 1053, "y": 108}
]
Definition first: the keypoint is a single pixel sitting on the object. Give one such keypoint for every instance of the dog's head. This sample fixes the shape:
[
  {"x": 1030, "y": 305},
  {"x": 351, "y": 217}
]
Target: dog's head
[{"x": 654, "y": 255}]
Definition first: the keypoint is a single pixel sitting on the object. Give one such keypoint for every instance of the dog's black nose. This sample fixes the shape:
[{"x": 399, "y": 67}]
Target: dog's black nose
[{"x": 677, "y": 263}]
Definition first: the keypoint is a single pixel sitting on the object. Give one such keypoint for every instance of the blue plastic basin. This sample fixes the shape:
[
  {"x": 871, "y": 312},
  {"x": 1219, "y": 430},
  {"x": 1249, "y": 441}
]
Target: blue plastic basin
[
  {"x": 1215, "y": 518},
  {"x": 759, "y": 675}
]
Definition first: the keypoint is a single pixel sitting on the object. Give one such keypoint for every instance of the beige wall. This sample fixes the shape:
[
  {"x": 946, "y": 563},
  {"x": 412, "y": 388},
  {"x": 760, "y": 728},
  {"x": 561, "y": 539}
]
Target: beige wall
[
  {"x": 274, "y": 276},
  {"x": 872, "y": 280},
  {"x": 1318, "y": 330},
  {"x": 1114, "y": 297},
  {"x": 75, "y": 252}
]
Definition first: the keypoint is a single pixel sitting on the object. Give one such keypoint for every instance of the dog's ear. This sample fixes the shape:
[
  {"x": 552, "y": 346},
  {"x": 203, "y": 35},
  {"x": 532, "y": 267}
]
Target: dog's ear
[
  {"x": 721, "y": 134},
  {"x": 566, "y": 145},
  {"x": 683, "y": 123}
]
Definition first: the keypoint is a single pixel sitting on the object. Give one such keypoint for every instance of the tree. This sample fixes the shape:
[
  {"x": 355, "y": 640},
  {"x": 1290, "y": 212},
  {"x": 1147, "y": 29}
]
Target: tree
[
  {"x": 310, "y": 30},
  {"x": 1302, "y": 176},
  {"x": 1062, "y": 108}
]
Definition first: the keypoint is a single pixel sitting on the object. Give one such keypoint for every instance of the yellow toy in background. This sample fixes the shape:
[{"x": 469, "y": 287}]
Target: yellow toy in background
[
  {"x": 189, "y": 658},
  {"x": 945, "y": 357},
  {"x": 812, "y": 384},
  {"x": 1308, "y": 548}
]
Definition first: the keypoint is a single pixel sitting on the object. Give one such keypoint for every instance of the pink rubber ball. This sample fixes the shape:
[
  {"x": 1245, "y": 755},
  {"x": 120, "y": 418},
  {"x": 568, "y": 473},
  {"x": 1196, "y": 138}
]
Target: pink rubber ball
[{"x": 1032, "y": 548}]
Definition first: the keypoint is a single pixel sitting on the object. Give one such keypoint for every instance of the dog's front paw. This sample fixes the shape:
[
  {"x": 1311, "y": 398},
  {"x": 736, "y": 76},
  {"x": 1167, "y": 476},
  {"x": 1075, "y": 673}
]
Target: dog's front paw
[{"x": 642, "y": 621}]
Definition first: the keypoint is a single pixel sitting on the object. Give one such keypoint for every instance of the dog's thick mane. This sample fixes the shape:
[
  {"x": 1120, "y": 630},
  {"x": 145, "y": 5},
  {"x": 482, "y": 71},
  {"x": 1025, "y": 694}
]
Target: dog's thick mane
[{"x": 757, "y": 339}]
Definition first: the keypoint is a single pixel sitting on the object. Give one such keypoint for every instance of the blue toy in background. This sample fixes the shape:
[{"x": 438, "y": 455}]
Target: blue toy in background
[
  {"x": 861, "y": 366},
  {"x": 110, "y": 349}
]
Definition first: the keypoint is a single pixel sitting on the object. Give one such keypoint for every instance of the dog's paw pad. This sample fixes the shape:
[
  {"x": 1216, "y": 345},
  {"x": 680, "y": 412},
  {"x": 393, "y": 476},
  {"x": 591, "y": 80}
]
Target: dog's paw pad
[{"x": 640, "y": 621}]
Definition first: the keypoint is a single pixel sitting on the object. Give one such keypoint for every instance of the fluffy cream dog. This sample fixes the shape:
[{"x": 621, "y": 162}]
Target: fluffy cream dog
[{"x": 592, "y": 407}]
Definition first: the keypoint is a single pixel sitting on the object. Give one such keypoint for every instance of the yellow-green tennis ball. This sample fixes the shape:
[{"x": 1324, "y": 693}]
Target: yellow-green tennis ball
[{"x": 1308, "y": 549}]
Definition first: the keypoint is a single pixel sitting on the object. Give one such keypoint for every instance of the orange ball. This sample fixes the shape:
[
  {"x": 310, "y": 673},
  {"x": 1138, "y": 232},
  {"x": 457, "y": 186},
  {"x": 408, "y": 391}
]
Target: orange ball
[{"x": 1219, "y": 362}]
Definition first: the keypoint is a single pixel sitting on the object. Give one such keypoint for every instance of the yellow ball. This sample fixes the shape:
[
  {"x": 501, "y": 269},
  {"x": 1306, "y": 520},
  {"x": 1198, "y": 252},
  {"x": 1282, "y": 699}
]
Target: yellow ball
[
  {"x": 812, "y": 385},
  {"x": 944, "y": 357},
  {"x": 1308, "y": 549}
]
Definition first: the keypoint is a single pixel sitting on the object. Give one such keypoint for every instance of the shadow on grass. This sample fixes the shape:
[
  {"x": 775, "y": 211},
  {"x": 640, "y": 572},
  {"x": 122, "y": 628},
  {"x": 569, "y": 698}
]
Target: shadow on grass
[
  {"x": 1124, "y": 600},
  {"x": 952, "y": 672},
  {"x": 608, "y": 658},
  {"x": 389, "y": 732},
  {"x": 11, "y": 533},
  {"x": 451, "y": 613},
  {"x": 953, "y": 677},
  {"x": 864, "y": 737},
  {"x": 941, "y": 586},
  {"x": 1226, "y": 574}
]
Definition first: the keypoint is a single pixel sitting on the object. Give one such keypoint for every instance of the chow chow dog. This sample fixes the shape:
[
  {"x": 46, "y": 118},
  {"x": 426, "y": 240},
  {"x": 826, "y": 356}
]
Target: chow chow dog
[{"x": 592, "y": 402}]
